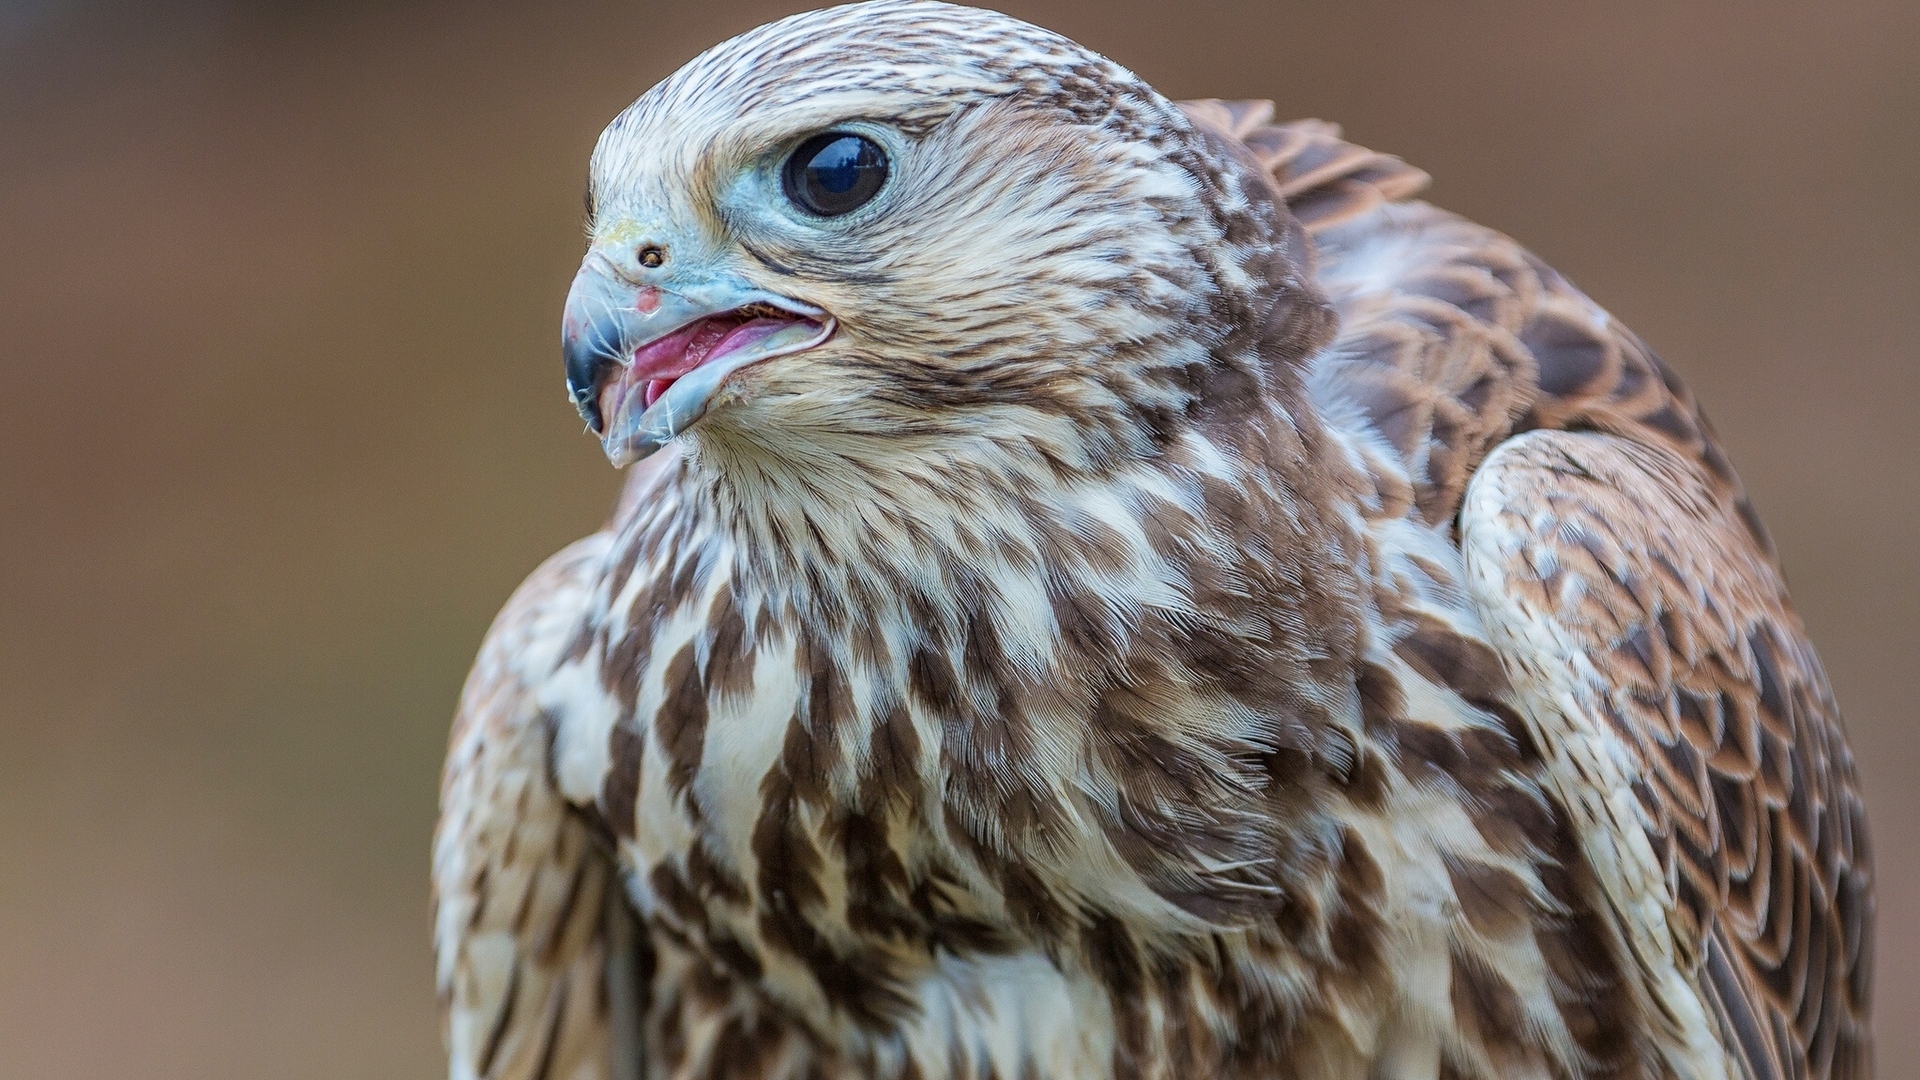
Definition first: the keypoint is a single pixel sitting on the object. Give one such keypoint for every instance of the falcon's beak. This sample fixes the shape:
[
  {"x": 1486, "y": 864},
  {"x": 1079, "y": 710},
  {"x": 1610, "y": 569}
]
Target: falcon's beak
[{"x": 644, "y": 360}]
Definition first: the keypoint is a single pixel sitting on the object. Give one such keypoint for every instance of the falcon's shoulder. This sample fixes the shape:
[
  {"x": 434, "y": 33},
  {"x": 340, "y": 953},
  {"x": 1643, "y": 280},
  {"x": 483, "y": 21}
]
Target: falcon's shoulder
[
  {"x": 538, "y": 963},
  {"x": 1451, "y": 336},
  {"x": 1689, "y": 722}
]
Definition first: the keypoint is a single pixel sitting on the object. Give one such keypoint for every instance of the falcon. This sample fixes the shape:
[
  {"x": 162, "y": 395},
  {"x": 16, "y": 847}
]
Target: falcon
[{"x": 1110, "y": 588}]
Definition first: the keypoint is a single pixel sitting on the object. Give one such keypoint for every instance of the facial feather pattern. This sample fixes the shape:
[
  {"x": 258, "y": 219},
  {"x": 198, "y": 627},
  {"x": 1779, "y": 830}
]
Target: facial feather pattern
[{"x": 1069, "y": 666}]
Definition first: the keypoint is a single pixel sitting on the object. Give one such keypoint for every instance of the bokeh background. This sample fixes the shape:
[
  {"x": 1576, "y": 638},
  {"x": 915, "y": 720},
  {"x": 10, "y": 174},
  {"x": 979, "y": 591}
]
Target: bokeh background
[{"x": 281, "y": 420}]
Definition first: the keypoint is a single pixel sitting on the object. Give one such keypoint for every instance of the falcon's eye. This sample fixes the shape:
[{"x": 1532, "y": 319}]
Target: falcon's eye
[{"x": 834, "y": 173}]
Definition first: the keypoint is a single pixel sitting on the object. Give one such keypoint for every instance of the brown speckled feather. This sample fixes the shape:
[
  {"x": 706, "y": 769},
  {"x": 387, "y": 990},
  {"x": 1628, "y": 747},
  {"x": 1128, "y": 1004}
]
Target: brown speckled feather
[{"x": 1324, "y": 180}]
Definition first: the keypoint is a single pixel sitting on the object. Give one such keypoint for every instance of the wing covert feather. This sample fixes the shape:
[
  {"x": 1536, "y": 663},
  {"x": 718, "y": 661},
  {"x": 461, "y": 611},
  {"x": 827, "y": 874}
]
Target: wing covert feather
[
  {"x": 539, "y": 965},
  {"x": 1639, "y": 615},
  {"x": 1324, "y": 179}
]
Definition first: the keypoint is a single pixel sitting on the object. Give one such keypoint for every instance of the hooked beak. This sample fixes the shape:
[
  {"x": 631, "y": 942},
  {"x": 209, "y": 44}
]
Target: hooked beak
[{"x": 644, "y": 361}]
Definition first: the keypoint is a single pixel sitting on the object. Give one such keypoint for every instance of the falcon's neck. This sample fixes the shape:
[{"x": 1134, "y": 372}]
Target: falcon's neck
[
  {"x": 1081, "y": 667},
  {"x": 937, "y": 532}
]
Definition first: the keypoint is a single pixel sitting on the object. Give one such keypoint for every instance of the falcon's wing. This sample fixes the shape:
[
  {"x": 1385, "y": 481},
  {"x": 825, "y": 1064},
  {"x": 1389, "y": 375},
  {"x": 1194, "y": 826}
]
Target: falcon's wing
[
  {"x": 539, "y": 965},
  {"x": 1692, "y": 732}
]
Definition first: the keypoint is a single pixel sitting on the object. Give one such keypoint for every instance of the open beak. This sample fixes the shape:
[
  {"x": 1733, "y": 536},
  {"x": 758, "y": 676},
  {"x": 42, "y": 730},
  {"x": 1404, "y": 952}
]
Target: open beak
[{"x": 644, "y": 361}]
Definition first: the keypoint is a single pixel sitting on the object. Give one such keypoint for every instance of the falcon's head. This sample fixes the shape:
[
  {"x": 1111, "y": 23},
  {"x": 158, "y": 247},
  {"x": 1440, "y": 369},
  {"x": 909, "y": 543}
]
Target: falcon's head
[{"x": 897, "y": 226}]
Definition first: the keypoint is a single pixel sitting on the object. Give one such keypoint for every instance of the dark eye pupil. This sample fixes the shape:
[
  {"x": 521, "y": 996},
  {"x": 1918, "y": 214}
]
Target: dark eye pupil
[{"x": 835, "y": 173}]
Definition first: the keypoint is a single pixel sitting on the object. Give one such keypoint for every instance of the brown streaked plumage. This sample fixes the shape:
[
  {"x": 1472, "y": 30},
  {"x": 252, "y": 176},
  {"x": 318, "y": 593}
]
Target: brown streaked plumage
[{"x": 1190, "y": 610}]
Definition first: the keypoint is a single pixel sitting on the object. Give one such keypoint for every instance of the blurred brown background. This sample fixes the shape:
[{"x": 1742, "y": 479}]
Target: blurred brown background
[{"x": 281, "y": 421}]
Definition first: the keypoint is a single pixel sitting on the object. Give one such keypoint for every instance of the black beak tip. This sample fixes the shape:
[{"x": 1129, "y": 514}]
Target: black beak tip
[{"x": 587, "y": 368}]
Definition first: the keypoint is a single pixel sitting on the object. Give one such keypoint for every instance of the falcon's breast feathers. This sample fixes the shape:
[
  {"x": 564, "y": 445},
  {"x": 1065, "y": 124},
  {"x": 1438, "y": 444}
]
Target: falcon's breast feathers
[{"x": 1119, "y": 589}]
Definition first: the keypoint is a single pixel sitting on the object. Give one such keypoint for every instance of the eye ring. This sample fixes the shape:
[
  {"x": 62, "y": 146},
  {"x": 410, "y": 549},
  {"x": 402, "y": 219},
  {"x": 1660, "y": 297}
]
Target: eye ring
[
  {"x": 653, "y": 256},
  {"x": 834, "y": 173}
]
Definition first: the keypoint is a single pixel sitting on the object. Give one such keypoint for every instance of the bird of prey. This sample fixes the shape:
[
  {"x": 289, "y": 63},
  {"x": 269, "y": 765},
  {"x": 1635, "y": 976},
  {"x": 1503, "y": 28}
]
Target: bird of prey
[{"x": 1114, "y": 588}]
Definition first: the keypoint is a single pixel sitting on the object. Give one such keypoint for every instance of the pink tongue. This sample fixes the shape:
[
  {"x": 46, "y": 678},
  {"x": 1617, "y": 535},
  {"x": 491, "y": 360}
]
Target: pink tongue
[
  {"x": 747, "y": 333},
  {"x": 703, "y": 347}
]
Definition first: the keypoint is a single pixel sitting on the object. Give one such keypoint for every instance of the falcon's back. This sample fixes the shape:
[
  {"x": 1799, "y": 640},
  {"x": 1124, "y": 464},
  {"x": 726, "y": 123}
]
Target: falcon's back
[{"x": 1623, "y": 576}]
